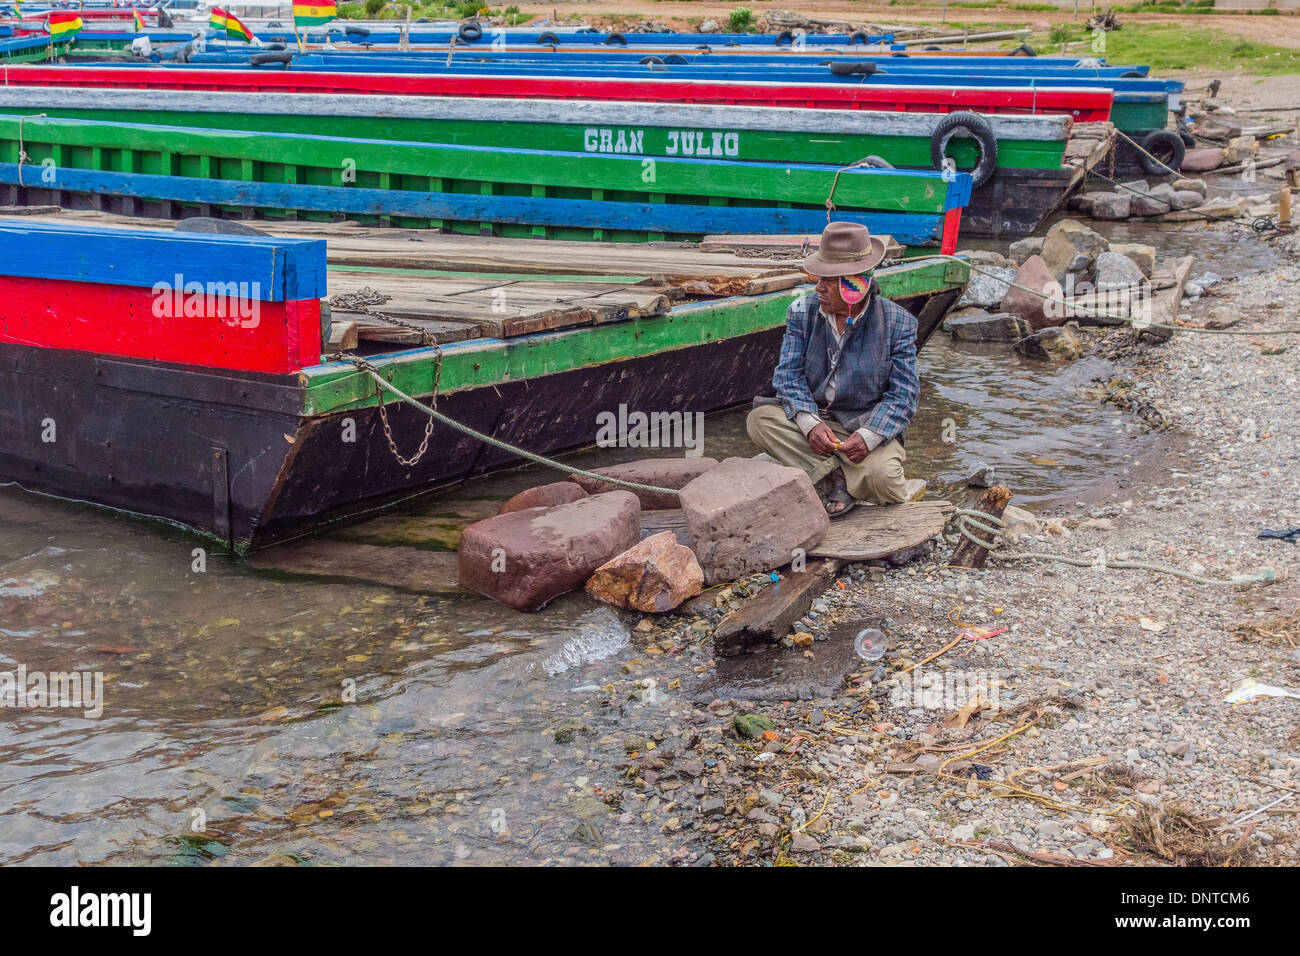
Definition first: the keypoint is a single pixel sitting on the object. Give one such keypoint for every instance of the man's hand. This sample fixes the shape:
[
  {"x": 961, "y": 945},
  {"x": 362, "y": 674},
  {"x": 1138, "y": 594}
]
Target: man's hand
[
  {"x": 822, "y": 440},
  {"x": 854, "y": 448}
]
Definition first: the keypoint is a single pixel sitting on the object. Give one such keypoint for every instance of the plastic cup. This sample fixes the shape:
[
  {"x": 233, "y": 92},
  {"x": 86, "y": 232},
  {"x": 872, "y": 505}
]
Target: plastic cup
[{"x": 870, "y": 644}]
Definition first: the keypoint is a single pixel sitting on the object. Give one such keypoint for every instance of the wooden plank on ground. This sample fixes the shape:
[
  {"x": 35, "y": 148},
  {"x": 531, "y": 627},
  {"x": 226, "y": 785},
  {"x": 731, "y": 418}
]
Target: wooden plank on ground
[
  {"x": 876, "y": 531},
  {"x": 766, "y": 618},
  {"x": 1165, "y": 303}
]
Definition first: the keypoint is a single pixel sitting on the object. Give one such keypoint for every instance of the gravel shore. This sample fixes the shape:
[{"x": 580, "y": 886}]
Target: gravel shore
[{"x": 1111, "y": 742}]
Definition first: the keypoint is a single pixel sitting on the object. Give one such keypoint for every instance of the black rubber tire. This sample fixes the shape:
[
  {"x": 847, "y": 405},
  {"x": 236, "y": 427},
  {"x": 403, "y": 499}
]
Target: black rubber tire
[
  {"x": 356, "y": 31},
  {"x": 470, "y": 32},
  {"x": 978, "y": 127},
  {"x": 785, "y": 37},
  {"x": 275, "y": 25},
  {"x": 932, "y": 48},
  {"x": 616, "y": 39},
  {"x": 279, "y": 38},
  {"x": 850, "y": 68},
  {"x": 276, "y": 45},
  {"x": 857, "y": 37},
  {"x": 1167, "y": 146},
  {"x": 262, "y": 59},
  {"x": 1188, "y": 139},
  {"x": 675, "y": 58},
  {"x": 548, "y": 38},
  {"x": 1024, "y": 50},
  {"x": 651, "y": 59},
  {"x": 1130, "y": 75}
]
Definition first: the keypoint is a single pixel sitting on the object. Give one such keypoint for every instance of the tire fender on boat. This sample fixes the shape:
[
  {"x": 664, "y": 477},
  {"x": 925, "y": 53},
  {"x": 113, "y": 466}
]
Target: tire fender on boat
[
  {"x": 262, "y": 59},
  {"x": 858, "y": 37},
  {"x": 617, "y": 39},
  {"x": 979, "y": 129},
  {"x": 548, "y": 38},
  {"x": 470, "y": 32},
  {"x": 785, "y": 37},
  {"x": 850, "y": 68},
  {"x": 1167, "y": 147}
]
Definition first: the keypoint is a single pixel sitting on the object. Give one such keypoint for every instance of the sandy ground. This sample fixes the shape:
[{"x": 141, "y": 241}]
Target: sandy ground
[{"x": 1280, "y": 30}]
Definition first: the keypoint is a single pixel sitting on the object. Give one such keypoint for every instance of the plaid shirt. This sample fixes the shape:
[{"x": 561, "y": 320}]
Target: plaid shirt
[{"x": 877, "y": 386}]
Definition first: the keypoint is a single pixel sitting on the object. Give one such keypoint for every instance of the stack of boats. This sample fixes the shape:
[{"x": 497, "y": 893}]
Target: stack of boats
[{"x": 474, "y": 143}]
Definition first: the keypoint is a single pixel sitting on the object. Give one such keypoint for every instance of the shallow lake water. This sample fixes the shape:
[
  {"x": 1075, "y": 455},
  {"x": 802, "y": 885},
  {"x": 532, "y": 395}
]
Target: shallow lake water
[{"x": 250, "y": 718}]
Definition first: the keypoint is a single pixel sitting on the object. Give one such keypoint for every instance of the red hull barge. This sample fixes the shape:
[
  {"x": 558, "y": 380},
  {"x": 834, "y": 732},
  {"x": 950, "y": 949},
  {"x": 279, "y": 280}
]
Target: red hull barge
[{"x": 1083, "y": 105}]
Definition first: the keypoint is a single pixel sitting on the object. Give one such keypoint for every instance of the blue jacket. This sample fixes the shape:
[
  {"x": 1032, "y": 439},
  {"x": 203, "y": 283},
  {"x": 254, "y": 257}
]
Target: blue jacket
[{"x": 877, "y": 386}]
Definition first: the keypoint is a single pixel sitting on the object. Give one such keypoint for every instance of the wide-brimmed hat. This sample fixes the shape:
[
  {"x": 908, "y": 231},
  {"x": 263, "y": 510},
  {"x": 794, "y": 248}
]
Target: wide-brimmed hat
[{"x": 846, "y": 249}]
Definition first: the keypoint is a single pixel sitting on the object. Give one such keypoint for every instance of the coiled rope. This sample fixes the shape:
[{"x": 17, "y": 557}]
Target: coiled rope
[{"x": 966, "y": 519}]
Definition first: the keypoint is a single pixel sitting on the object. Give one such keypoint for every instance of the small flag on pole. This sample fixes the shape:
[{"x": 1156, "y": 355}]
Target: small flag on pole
[
  {"x": 229, "y": 25},
  {"x": 312, "y": 13},
  {"x": 63, "y": 26},
  {"x": 139, "y": 20}
]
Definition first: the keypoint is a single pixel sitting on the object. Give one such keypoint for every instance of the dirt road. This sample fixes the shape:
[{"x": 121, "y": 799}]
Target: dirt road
[{"x": 678, "y": 14}]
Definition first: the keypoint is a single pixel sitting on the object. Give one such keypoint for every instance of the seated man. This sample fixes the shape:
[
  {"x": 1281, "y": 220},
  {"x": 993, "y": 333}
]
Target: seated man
[{"x": 846, "y": 383}]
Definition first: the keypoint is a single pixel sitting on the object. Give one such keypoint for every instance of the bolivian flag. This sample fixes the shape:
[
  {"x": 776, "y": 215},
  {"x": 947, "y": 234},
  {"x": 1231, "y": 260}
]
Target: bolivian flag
[
  {"x": 64, "y": 25},
  {"x": 230, "y": 25},
  {"x": 139, "y": 21},
  {"x": 312, "y": 13}
]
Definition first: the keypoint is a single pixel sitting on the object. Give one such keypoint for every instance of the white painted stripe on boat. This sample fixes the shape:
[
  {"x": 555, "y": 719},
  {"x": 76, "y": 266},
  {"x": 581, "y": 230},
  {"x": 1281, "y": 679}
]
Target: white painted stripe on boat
[{"x": 580, "y": 112}]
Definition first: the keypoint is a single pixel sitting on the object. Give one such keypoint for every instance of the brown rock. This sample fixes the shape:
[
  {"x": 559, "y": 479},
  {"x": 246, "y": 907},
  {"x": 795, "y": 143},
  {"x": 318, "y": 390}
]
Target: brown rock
[
  {"x": 660, "y": 472},
  {"x": 1202, "y": 160},
  {"x": 1055, "y": 345},
  {"x": 747, "y": 515},
  {"x": 1070, "y": 246},
  {"x": 525, "y": 558},
  {"x": 1036, "y": 311},
  {"x": 655, "y": 575},
  {"x": 544, "y": 496}
]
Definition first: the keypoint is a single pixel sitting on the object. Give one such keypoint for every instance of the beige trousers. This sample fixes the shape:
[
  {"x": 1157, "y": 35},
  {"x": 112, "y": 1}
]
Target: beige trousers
[{"x": 878, "y": 477}]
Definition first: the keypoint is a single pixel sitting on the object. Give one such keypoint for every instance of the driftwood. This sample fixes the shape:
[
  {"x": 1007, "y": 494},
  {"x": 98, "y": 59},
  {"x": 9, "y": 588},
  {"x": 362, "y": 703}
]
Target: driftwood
[
  {"x": 968, "y": 554},
  {"x": 1164, "y": 304},
  {"x": 767, "y": 617},
  {"x": 873, "y": 531}
]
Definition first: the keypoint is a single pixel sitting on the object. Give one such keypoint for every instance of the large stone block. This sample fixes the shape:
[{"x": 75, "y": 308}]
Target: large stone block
[
  {"x": 1116, "y": 205},
  {"x": 653, "y": 576},
  {"x": 747, "y": 515},
  {"x": 1034, "y": 309},
  {"x": 976, "y": 325},
  {"x": 1143, "y": 255},
  {"x": 1022, "y": 249},
  {"x": 526, "y": 558},
  {"x": 1070, "y": 246},
  {"x": 1202, "y": 160},
  {"x": 659, "y": 472},
  {"x": 544, "y": 496}
]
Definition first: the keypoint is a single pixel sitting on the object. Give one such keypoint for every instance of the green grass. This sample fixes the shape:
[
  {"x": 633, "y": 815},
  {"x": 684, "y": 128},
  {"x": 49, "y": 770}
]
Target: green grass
[{"x": 1179, "y": 48}]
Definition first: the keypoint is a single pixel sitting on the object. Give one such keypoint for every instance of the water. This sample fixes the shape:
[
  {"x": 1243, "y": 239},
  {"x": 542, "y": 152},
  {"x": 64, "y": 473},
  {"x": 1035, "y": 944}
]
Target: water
[{"x": 248, "y": 718}]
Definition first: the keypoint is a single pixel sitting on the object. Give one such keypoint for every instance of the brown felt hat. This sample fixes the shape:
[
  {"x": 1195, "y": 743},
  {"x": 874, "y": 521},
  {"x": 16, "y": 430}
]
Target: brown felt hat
[{"x": 846, "y": 249}]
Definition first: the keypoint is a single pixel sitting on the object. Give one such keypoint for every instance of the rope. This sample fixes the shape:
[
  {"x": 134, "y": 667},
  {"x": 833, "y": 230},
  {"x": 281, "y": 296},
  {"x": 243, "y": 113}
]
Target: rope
[
  {"x": 991, "y": 524},
  {"x": 1103, "y": 315},
  {"x": 22, "y": 153},
  {"x": 364, "y": 366},
  {"x": 1138, "y": 147}
]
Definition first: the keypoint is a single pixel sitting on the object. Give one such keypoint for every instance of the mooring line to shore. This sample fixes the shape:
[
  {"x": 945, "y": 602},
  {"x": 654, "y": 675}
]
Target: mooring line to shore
[
  {"x": 364, "y": 366},
  {"x": 995, "y": 526}
]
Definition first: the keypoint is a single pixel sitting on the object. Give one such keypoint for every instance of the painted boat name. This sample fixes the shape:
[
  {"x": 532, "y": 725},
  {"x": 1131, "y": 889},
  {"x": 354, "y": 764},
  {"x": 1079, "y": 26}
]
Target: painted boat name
[{"x": 680, "y": 142}]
